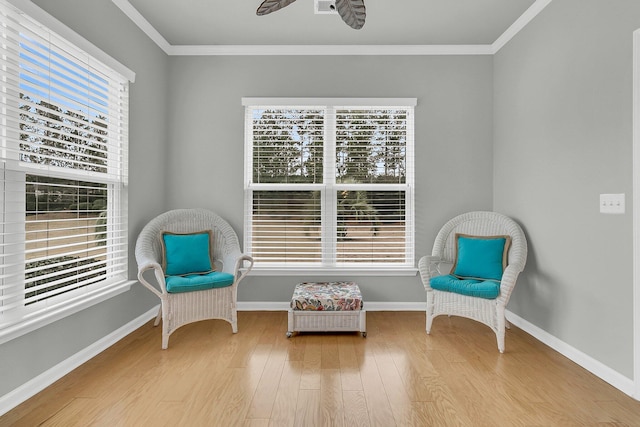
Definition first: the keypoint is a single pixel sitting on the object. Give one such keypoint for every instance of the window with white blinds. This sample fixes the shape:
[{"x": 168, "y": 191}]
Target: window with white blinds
[
  {"x": 329, "y": 183},
  {"x": 63, "y": 171}
]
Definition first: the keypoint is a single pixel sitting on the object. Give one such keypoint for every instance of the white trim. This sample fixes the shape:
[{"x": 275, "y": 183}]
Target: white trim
[
  {"x": 519, "y": 24},
  {"x": 386, "y": 102},
  {"x": 369, "y": 306},
  {"x": 133, "y": 14},
  {"x": 66, "y": 309},
  {"x": 39, "y": 383},
  {"x": 313, "y": 50},
  {"x": 263, "y": 306},
  {"x": 394, "y": 306},
  {"x": 592, "y": 365},
  {"x": 40, "y": 15},
  {"x": 337, "y": 271},
  {"x": 330, "y": 261},
  {"x": 636, "y": 212},
  {"x": 44, "y": 380}
]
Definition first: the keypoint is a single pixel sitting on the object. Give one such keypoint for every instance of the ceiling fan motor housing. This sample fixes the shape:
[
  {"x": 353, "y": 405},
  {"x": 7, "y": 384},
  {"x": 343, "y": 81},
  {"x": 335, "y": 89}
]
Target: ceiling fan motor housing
[{"x": 324, "y": 7}]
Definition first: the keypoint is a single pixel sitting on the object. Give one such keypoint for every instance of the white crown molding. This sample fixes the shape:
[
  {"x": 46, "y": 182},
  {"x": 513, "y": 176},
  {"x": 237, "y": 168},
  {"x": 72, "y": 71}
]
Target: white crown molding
[
  {"x": 315, "y": 50},
  {"x": 143, "y": 24},
  {"x": 519, "y": 24}
]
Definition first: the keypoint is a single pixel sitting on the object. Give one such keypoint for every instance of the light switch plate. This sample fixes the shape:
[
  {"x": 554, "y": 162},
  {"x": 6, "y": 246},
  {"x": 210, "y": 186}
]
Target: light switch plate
[
  {"x": 612, "y": 203},
  {"x": 324, "y": 7}
]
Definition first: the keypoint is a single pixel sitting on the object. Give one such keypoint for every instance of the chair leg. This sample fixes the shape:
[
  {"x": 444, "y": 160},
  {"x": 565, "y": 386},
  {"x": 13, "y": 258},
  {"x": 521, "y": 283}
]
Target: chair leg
[
  {"x": 234, "y": 321},
  {"x": 166, "y": 325},
  {"x": 500, "y": 338},
  {"x": 501, "y": 327},
  {"x": 158, "y": 317},
  {"x": 430, "y": 305},
  {"x": 165, "y": 341}
]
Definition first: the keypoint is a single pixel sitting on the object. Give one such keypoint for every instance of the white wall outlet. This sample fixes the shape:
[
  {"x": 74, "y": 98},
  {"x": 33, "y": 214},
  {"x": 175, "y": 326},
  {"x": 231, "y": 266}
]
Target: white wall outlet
[{"x": 612, "y": 203}]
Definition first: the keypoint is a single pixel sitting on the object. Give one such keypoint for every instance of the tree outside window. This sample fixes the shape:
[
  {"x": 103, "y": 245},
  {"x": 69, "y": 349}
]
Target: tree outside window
[{"x": 329, "y": 186}]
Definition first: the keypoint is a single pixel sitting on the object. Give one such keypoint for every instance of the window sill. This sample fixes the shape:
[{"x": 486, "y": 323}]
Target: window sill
[
  {"x": 40, "y": 319},
  {"x": 318, "y": 271}
]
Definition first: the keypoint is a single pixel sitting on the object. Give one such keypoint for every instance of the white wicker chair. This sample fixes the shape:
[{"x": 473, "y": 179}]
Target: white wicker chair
[
  {"x": 487, "y": 311},
  {"x": 178, "y": 309}
]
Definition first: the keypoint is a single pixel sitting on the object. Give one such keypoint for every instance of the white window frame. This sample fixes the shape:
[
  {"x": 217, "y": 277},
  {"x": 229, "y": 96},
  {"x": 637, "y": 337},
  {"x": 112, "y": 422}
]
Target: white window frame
[
  {"x": 329, "y": 187},
  {"x": 16, "y": 318}
]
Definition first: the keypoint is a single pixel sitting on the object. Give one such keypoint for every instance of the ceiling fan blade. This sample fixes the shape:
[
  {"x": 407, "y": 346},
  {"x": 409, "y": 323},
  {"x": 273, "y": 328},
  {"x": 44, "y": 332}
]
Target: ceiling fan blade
[
  {"x": 269, "y": 6},
  {"x": 352, "y": 12}
]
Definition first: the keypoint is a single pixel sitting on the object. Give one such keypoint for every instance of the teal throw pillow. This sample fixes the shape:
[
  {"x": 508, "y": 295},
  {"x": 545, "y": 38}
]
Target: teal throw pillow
[
  {"x": 186, "y": 253},
  {"x": 480, "y": 257}
]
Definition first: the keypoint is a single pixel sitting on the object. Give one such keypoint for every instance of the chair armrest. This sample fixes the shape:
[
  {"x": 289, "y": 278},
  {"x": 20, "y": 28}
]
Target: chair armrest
[
  {"x": 233, "y": 264},
  {"x": 240, "y": 264},
  {"x": 428, "y": 266},
  {"x": 157, "y": 270},
  {"x": 508, "y": 282}
]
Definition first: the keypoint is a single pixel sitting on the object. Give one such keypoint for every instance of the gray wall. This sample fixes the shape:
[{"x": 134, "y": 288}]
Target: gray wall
[
  {"x": 102, "y": 23},
  {"x": 186, "y": 149},
  {"x": 563, "y": 135},
  {"x": 453, "y": 138},
  {"x": 537, "y": 132}
]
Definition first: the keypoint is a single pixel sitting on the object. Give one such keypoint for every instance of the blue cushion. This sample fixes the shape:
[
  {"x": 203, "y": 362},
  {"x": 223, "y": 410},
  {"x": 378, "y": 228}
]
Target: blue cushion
[
  {"x": 489, "y": 289},
  {"x": 198, "y": 282},
  {"x": 480, "y": 257},
  {"x": 186, "y": 253}
]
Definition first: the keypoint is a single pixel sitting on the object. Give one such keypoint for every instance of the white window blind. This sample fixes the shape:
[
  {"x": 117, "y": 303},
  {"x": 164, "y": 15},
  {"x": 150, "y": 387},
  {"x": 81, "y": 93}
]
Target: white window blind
[
  {"x": 63, "y": 171},
  {"x": 329, "y": 183}
]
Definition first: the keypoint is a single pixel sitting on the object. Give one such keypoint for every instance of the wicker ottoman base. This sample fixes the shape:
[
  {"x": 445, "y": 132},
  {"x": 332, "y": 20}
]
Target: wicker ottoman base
[{"x": 327, "y": 307}]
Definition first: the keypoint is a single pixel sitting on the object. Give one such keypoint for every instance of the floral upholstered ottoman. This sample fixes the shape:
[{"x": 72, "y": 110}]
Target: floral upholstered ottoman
[{"x": 328, "y": 307}]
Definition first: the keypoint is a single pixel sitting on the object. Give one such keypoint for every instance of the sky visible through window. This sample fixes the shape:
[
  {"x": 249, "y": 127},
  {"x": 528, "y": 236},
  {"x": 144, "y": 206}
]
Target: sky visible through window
[
  {"x": 64, "y": 82},
  {"x": 64, "y": 112}
]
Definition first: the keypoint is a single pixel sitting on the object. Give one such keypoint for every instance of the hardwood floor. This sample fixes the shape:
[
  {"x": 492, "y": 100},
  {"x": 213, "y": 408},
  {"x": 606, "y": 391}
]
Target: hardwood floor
[{"x": 397, "y": 376}]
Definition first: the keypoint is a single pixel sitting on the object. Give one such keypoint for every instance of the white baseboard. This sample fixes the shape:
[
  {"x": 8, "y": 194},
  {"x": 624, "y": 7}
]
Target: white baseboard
[
  {"x": 262, "y": 306},
  {"x": 369, "y": 306},
  {"x": 394, "y": 306},
  {"x": 597, "y": 368},
  {"x": 44, "y": 380}
]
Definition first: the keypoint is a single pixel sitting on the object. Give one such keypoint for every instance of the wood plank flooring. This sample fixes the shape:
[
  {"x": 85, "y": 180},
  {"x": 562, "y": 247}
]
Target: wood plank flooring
[{"x": 397, "y": 376}]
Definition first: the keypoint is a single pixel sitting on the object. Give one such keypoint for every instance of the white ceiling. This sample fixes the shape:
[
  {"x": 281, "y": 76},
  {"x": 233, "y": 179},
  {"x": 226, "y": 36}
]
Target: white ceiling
[{"x": 389, "y": 22}]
